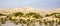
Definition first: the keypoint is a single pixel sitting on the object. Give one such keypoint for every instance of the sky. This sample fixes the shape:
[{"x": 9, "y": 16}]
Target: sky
[{"x": 31, "y": 3}]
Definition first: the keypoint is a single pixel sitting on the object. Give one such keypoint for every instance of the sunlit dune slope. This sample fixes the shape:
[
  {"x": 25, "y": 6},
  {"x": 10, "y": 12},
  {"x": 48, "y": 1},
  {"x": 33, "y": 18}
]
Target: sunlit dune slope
[{"x": 27, "y": 10}]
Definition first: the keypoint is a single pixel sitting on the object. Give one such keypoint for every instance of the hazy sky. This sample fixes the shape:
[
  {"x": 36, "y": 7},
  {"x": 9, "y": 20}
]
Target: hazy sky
[{"x": 31, "y": 3}]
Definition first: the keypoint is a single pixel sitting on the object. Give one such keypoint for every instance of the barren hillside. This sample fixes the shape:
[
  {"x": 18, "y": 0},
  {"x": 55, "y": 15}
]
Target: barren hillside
[{"x": 27, "y": 9}]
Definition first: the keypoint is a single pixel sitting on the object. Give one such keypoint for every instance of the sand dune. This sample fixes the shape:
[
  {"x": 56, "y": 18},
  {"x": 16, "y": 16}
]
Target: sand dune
[{"x": 27, "y": 9}]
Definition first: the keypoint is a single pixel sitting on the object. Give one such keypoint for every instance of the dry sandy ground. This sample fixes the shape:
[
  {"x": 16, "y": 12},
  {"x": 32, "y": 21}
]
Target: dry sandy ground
[{"x": 28, "y": 9}]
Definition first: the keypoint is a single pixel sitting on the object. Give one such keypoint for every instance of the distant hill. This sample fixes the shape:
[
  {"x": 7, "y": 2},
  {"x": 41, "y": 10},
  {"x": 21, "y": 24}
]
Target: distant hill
[{"x": 27, "y": 9}]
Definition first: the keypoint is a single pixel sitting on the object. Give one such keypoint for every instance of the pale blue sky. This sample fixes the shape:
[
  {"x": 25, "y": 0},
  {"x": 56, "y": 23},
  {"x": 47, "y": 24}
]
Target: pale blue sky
[{"x": 31, "y": 3}]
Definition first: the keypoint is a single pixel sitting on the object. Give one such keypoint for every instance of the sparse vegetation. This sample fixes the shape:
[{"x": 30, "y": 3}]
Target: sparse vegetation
[{"x": 30, "y": 18}]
